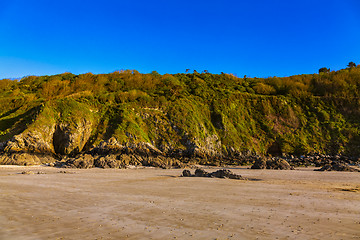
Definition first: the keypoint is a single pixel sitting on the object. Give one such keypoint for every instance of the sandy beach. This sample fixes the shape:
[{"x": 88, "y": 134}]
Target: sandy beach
[{"x": 150, "y": 203}]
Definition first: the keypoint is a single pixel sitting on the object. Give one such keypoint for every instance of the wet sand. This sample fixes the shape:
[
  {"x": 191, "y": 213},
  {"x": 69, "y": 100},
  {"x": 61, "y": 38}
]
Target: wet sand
[{"x": 154, "y": 203}]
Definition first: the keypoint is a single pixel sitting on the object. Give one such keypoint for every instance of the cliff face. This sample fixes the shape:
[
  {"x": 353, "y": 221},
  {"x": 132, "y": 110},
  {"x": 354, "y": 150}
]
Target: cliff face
[
  {"x": 177, "y": 118},
  {"x": 69, "y": 139},
  {"x": 53, "y": 131},
  {"x": 276, "y": 126}
]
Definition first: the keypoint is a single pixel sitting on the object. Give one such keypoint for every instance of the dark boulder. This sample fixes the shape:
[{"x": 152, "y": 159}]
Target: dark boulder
[
  {"x": 259, "y": 163},
  {"x": 186, "y": 173},
  {"x": 280, "y": 164},
  {"x": 224, "y": 173},
  {"x": 338, "y": 167},
  {"x": 201, "y": 173},
  {"x": 272, "y": 163}
]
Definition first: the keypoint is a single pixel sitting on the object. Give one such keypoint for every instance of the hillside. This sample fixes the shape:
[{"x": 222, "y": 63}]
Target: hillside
[{"x": 197, "y": 115}]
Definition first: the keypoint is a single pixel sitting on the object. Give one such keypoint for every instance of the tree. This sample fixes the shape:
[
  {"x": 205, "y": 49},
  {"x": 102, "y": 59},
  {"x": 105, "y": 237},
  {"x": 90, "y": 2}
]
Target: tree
[
  {"x": 187, "y": 70},
  {"x": 155, "y": 73},
  {"x": 324, "y": 70},
  {"x": 351, "y": 65}
]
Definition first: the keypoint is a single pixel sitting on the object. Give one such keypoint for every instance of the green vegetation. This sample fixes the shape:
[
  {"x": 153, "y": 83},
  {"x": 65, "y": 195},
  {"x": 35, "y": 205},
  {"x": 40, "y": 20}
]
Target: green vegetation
[{"x": 218, "y": 112}]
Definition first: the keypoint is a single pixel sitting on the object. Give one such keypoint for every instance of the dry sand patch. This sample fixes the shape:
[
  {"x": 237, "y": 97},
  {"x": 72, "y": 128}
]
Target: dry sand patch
[{"x": 152, "y": 203}]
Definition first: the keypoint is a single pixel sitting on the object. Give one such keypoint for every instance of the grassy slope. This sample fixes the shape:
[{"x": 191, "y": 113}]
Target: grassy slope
[{"x": 299, "y": 114}]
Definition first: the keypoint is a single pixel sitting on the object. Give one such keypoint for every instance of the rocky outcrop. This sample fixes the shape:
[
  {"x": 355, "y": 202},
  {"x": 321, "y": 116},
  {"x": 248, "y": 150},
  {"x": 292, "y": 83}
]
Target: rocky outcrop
[
  {"x": 186, "y": 173},
  {"x": 31, "y": 141},
  {"x": 82, "y": 161},
  {"x": 338, "y": 167},
  {"x": 142, "y": 149},
  {"x": 259, "y": 163},
  {"x": 222, "y": 173},
  {"x": 207, "y": 147},
  {"x": 108, "y": 161},
  {"x": 69, "y": 139},
  {"x": 24, "y": 159},
  {"x": 320, "y": 160},
  {"x": 118, "y": 161},
  {"x": 201, "y": 173},
  {"x": 280, "y": 164},
  {"x": 60, "y": 139},
  {"x": 112, "y": 146},
  {"x": 109, "y": 146},
  {"x": 272, "y": 163}
]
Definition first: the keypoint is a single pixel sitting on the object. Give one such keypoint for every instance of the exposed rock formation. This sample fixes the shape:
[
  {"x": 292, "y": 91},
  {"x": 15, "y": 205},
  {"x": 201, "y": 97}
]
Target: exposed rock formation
[
  {"x": 31, "y": 141},
  {"x": 223, "y": 173},
  {"x": 186, "y": 173},
  {"x": 109, "y": 146},
  {"x": 273, "y": 163},
  {"x": 71, "y": 139},
  {"x": 118, "y": 161},
  {"x": 338, "y": 167},
  {"x": 60, "y": 139},
  {"x": 24, "y": 159}
]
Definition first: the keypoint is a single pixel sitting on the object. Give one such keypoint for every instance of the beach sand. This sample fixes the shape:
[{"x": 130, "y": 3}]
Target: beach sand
[{"x": 150, "y": 203}]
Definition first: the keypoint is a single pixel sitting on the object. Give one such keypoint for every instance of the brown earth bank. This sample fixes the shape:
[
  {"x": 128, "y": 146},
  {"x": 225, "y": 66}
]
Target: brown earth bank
[{"x": 151, "y": 203}]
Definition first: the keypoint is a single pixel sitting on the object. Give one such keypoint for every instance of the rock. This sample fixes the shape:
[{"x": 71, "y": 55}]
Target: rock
[
  {"x": 201, "y": 173},
  {"x": 51, "y": 138},
  {"x": 71, "y": 139},
  {"x": 186, "y": 173},
  {"x": 113, "y": 164},
  {"x": 160, "y": 161},
  {"x": 147, "y": 149},
  {"x": 260, "y": 163},
  {"x": 109, "y": 161},
  {"x": 280, "y": 164},
  {"x": 116, "y": 161},
  {"x": 100, "y": 162},
  {"x": 113, "y": 146},
  {"x": 25, "y": 159},
  {"x": 30, "y": 141},
  {"x": 224, "y": 173},
  {"x": 273, "y": 163},
  {"x": 124, "y": 159},
  {"x": 338, "y": 167},
  {"x": 178, "y": 164},
  {"x": 153, "y": 162},
  {"x": 82, "y": 161},
  {"x": 89, "y": 161},
  {"x": 109, "y": 146},
  {"x": 135, "y": 160}
]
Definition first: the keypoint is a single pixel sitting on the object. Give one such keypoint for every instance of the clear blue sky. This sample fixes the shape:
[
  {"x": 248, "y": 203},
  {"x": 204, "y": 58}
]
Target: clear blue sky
[{"x": 257, "y": 38}]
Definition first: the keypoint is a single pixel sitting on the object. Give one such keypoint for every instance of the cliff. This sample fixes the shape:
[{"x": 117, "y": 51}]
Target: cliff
[{"x": 206, "y": 117}]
